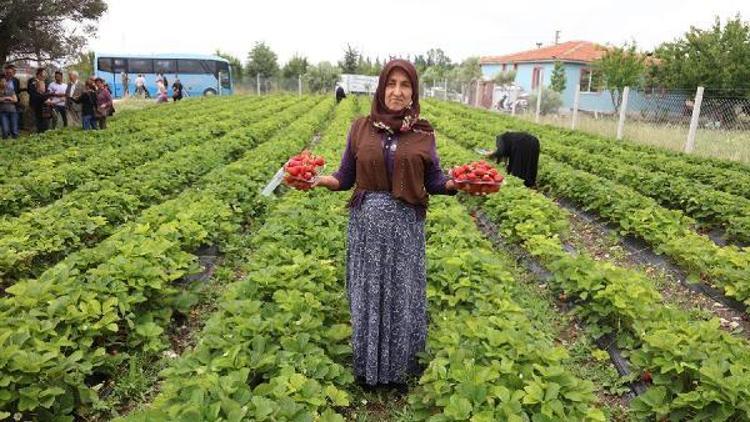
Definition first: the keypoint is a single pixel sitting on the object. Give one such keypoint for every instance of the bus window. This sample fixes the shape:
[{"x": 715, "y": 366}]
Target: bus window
[
  {"x": 223, "y": 68},
  {"x": 105, "y": 64},
  {"x": 190, "y": 66},
  {"x": 140, "y": 66},
  {"x": 119, "y": 65},
  {"x": 165, "y": 66}
]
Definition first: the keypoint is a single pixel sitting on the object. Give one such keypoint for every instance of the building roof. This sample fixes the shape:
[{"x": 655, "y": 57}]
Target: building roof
[{"x": 571, "y": 51}]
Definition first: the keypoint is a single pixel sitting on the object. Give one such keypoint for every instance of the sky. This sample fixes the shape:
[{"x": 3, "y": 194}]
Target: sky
[{"x": 321, "y": 30}]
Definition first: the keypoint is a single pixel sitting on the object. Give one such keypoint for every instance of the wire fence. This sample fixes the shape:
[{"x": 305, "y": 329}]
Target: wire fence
[{"x": 720, "y": 120}]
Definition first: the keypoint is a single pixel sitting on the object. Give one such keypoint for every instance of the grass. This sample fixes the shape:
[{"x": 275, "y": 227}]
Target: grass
[{"x": 725, "y": 144}]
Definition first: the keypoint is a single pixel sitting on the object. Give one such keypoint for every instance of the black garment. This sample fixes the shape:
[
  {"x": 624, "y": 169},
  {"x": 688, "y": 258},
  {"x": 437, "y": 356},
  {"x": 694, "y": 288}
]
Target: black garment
[
  {"x": 42, "y": 112},
  {"x": 340, "y": 95},
  {"x": 522, "y": 151},
  {"x": 177, "y": 91},
  {"x": 87, "y": 100}
]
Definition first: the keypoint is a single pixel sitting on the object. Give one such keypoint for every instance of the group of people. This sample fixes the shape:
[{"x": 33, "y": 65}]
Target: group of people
[
  {"x": 54, "y": 104},
  {"x": 162, "y": 83}
]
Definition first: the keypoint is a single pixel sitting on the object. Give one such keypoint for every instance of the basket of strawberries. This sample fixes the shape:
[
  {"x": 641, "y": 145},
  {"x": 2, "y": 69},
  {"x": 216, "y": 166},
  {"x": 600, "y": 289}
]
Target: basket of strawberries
[
  {"x": 477, "y": 178},
  {"x": 302, "y": 170}
]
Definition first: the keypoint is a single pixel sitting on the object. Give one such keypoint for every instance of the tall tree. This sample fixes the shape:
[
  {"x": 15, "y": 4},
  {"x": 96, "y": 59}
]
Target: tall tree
[
  {"x": 351, "y": 60},
  {"x": 296, "y": 66},
  {"x": 558, "y": 80},
  {"x": 621, "y": 67},
  {"x": 322, "y": 77},
  {"x": 83, "y": 63},
  {"x": 717, "y": 58},
  {"x": 235, "y": 65},
  {"x": 47, "y": 30},
  {"x": 437, "y": 57},
  {"x": 261, "y": 61}
]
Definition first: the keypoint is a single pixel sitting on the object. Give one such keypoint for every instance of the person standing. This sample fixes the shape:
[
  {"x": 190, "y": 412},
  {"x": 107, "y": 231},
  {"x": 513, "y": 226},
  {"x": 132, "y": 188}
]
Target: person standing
[
  {"x": 161, "y": 92},
  {"x": 140, "y": 86},
  {"x": 57, "y": 91},
  {"x": 9, "y": 72},
  {"x": 104, "y": 105},
  {"x": 74, "y": 91},
  {"x": 125, "y": 80},
  {"x": 87, "y": 101},
  {"x": 37, "y": 89},
  {"x": 8, "y": 114},
  {"x": 521, "y": 150},
  {"x": 391, "y": 160}
]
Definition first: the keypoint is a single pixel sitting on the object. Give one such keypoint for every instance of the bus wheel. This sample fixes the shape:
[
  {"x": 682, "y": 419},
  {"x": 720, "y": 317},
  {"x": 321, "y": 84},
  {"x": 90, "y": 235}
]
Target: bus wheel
[{"x": 209, "y": 92}]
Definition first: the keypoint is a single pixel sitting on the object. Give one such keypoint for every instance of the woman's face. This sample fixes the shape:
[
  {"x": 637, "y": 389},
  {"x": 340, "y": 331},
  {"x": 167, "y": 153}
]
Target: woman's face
[{"x": 398, "y": 90}]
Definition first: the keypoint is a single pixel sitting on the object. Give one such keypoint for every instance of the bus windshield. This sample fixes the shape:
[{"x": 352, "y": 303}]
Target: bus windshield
[{"x": 199, "y": 75}]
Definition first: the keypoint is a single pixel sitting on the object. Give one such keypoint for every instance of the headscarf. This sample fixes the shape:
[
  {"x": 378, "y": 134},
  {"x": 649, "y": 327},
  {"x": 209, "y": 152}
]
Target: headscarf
[{"x": 398, "y": 121}]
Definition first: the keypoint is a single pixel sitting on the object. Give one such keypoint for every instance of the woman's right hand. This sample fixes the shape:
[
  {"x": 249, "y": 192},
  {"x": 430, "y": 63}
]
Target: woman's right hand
[{"x": 329, "y": 182}]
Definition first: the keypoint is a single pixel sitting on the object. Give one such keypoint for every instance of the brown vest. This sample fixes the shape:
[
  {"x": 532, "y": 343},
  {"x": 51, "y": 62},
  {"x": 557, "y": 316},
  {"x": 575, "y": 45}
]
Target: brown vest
[{"x": 413, "y": 155}]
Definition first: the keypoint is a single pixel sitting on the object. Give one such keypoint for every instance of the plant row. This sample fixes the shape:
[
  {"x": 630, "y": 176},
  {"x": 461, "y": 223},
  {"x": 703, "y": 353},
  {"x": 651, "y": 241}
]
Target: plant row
[
  {"x": 486, "y": 361},
  {"x": 698, "y": 371},
  {"x": 64, "y": 144},
  {"x": 669, "y": 232},
  {"x": 42, "y": 186},
  {"x": 29, "y": 243},
  {"x": 724, "y": 175},
  {"x": 711, "y": 208},
  {"x": 66, "y": 326},
  {"x": 278, "y": 346}
]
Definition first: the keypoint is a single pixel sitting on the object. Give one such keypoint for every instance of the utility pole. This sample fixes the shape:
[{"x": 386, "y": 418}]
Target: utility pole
[{"x": 557, "y": 37}]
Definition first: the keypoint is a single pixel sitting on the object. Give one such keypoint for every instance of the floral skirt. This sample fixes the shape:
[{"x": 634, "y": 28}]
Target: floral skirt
[{"x": 385, "y": 283}]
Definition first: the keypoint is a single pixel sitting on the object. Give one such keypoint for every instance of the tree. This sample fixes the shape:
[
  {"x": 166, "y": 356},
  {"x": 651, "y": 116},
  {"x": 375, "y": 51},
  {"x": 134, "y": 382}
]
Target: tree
[
  {"x": 296, "y": 66},
  {"x": 47, "y": 30},
  {"x": 558, "y": 81},
  {"x": 83, "y": 63},
  {"x": 505, "y": 78},
  {"x": 621, "y": 67},
  {"x": 420, "y": 62},
  {"x": 261, "y": 61},
  {"x": 351, "y": 60},
  {"x": 235, "y": 65},
  {"x": 437, "y": 57},
  {"x": 467, "y": 72},
  {"x": 322, "y": 77},
  {"x": 717, "y": 58}
]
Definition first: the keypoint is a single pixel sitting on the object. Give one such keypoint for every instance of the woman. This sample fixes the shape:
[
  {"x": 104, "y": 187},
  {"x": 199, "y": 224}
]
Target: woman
[
  {"x": 161, "y": 92},
  {"x": 391, "y": 160},
  {"x": 522, "y": 152},
  {"x": 8, "y": 114},
  {"x": 177, "y": 90},
  {"x": 88, "y": 105},
  {"x": 104, "y": 103}
]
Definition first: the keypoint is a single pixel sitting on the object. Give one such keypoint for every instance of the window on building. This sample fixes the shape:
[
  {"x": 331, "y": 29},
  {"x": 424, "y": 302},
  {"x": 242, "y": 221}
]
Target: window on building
[{"x": 591, "y": 80}]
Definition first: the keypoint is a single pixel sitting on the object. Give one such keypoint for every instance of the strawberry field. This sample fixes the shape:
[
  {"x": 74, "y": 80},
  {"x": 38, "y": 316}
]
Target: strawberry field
[{"x": 143, "y": 276}]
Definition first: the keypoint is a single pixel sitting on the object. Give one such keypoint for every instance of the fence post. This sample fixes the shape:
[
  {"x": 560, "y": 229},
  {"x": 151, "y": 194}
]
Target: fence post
[
  {"x": 477, "y": 99},
  {"x": 445, "y": 88},
  {"x": 257, "y": 83},
  {"x": 538, "y": 102},
  {"x": 299, "y": 85},
  {"x": 623, "y": 110},
  {"x": 220, "y": 90},
  {"x": 690, "y": 144},
  {"x": 576, "y": 102}
]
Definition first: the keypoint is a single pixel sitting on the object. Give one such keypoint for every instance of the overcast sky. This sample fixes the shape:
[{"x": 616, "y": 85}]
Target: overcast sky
[{"x": 321, "y": 30}]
